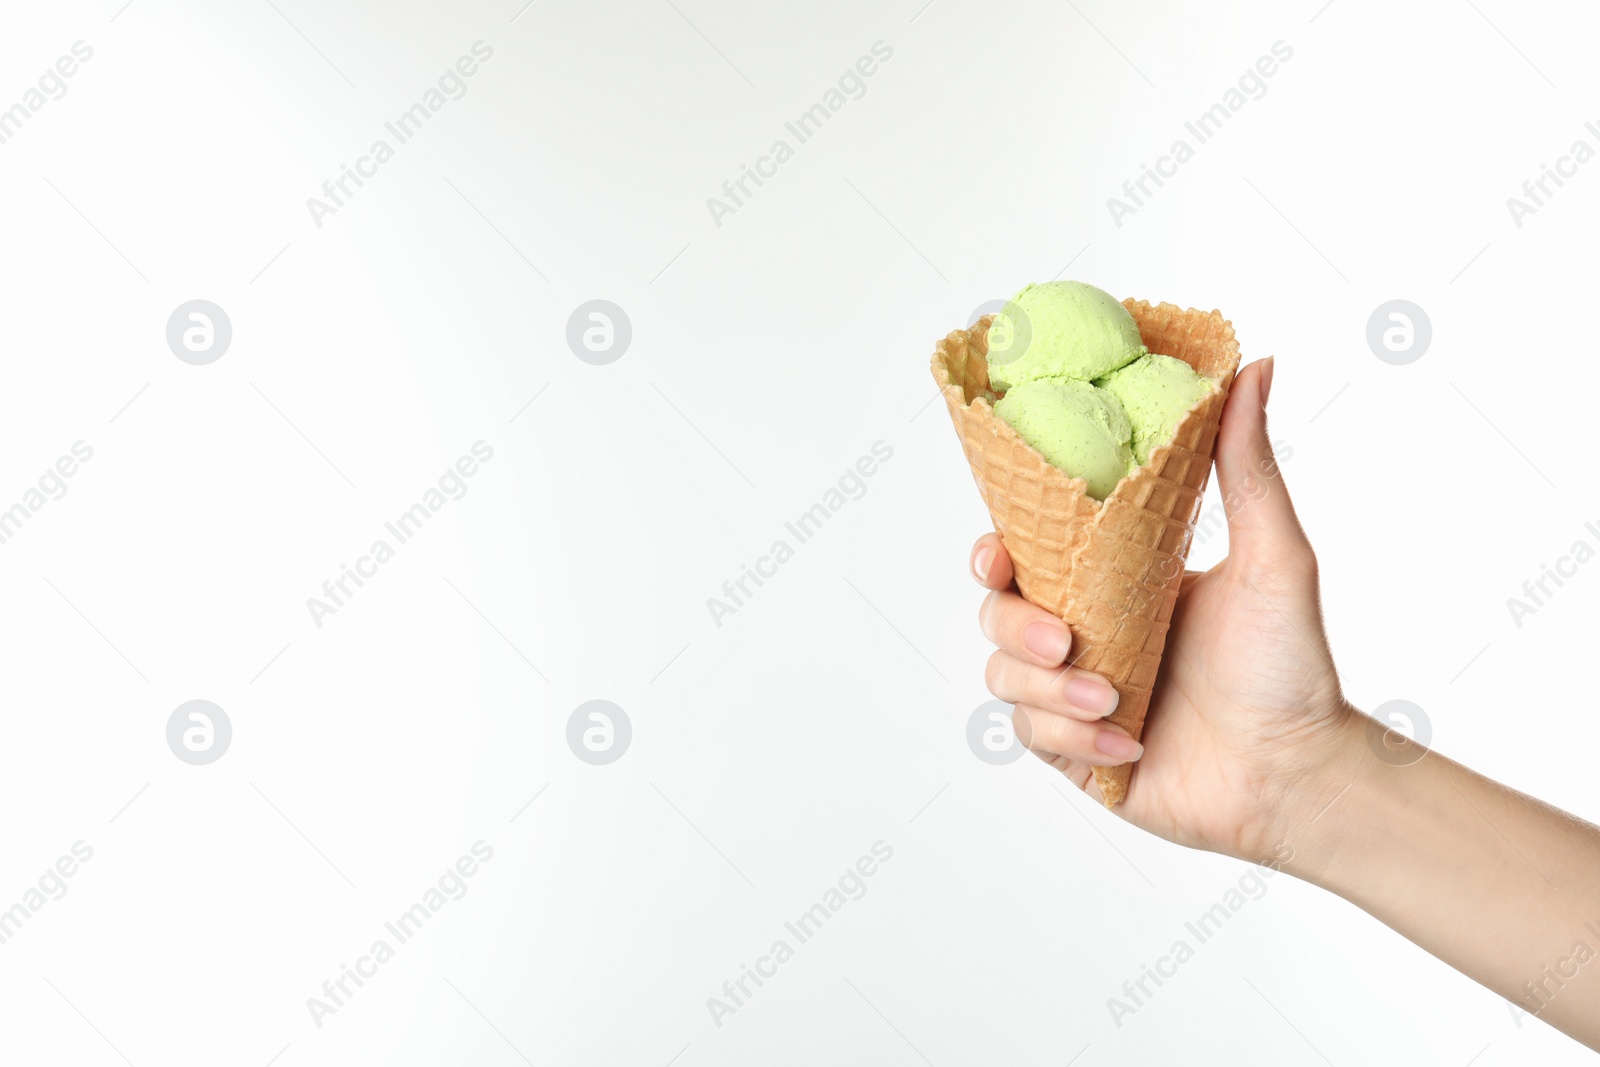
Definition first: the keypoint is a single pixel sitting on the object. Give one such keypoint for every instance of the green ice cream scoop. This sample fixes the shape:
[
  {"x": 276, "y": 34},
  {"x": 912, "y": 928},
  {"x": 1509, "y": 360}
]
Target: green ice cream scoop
[
  {"x": 1079, "y": 429},
  {"x": 1156, "y": 392},
  {"x": 1060, "y": 330}
]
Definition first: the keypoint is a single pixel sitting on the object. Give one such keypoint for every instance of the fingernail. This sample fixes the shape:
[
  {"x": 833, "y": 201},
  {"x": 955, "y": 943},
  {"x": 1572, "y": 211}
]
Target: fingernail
[
  {"x": 1118, "y": 746},
  {"x": 982, "y": 562},
  {"x": 1047, "y": 641},
  {"x": 1091, "y": 693},
  {"x": 1266, "y": 379}
]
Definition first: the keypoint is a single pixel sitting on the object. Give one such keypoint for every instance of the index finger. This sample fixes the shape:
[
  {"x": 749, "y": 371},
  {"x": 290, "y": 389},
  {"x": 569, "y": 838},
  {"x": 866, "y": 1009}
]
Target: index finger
[{"x": 991, "y": 563}]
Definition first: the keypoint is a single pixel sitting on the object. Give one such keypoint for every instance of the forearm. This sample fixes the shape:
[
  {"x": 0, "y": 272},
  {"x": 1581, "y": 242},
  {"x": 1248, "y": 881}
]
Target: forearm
[{"x": 1500, "y": 886}]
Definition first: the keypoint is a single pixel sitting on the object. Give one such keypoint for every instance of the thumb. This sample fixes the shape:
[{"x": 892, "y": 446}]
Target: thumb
[{"x": 1262, "y": 527}]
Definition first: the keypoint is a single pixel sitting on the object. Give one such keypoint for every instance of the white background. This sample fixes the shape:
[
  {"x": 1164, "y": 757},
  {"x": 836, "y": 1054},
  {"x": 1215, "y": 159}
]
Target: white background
[{"x": 768, "y": 354}]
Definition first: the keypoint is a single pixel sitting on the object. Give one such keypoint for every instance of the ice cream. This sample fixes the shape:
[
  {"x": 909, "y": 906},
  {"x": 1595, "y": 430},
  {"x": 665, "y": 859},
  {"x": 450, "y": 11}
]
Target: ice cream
[
  {"x": 1155, "y": 391},
  {"x": 1079, "y": 429},
  {"x": 1060, "y": 330},
  {"x": 1076, "y": 382}
]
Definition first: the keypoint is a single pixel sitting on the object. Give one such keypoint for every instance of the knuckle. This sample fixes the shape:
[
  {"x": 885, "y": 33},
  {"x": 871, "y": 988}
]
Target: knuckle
[
  {"x": 1040, "y": 733},
  {"x": 1299, "y": 563},
  {"x": 1022, "y": 726},
  {"x": 986, "y": 616},
  {"x": 994, "y": 672}
]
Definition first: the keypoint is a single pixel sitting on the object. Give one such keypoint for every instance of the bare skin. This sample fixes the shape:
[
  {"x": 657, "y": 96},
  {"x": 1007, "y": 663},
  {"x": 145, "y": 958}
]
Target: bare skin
[{"x": 1250, "y": 750}]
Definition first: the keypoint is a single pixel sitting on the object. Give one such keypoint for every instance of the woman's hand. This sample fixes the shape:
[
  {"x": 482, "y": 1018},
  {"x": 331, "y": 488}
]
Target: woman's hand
[
  {"x": 1247, "y": 706},
  {"x": 1250, "y": 750}
]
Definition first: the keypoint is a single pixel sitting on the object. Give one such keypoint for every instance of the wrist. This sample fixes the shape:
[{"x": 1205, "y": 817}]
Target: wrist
[{"x": 1301, "y": 830}]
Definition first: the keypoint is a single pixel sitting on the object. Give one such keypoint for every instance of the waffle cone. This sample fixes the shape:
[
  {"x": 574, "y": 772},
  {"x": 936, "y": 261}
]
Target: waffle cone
[{"x": 1110, "y": 570}]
